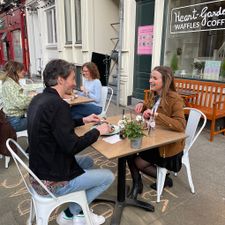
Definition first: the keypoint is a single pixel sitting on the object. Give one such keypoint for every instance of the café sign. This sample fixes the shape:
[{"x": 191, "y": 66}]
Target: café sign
[{"x": 198, "y": 17}]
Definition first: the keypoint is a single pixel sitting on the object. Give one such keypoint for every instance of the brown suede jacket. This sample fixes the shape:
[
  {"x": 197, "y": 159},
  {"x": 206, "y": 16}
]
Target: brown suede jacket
[{"x": 172, "y": 117}]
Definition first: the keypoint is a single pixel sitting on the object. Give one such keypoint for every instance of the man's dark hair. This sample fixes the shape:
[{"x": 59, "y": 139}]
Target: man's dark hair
[{"x": 56, "y": 68}]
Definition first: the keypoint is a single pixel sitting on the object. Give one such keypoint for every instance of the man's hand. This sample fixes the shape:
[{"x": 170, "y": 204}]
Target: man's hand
[
  {"x": 91, "y": 118},
  {"x": 138, "y": 108},
  {"x": 104, "y": 128}
]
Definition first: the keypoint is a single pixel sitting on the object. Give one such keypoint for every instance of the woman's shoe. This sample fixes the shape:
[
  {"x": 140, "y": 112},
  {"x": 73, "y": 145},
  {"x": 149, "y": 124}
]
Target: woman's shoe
[
  {"x": 168, "y": 183},
  {"x": 136, "y": 189}
]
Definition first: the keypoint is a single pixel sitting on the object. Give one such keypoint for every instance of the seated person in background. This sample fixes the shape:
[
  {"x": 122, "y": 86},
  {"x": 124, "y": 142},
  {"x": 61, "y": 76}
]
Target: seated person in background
[
  {"x": 92, "y": 88},
  {"x": 53, "y": 145},
  {"x": 168, "y": 112},
  {"x": 15, "y": 102}
]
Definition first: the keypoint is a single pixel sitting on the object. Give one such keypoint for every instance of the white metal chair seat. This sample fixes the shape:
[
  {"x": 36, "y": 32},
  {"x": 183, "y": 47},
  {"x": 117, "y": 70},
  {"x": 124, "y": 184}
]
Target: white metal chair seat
[
  {"x": 192, "y": 134},
  {"x": 107, "y": 92},
  {"x": 41, "y": 207}
]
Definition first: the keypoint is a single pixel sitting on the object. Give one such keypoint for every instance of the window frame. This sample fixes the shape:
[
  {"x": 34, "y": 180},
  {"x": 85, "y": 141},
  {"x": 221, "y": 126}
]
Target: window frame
[
  {"x": 53, "y": 27},
  {"x": 78, "y": 21}
]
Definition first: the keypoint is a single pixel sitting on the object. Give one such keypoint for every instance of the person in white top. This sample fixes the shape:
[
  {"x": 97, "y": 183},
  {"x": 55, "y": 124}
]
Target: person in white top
[{"x": 91, "y": 88}]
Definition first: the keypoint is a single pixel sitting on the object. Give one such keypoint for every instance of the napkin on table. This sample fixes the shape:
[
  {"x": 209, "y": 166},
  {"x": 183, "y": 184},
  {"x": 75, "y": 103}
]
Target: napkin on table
[{"x": 112, "y": 139}]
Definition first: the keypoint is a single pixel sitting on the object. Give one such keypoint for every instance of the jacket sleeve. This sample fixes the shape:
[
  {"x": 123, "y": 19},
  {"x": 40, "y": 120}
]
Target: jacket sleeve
[
  {"x": 13, "y": 95},
  {"x": 176, "y": 121},
  {"x": 65, "y": 136}
]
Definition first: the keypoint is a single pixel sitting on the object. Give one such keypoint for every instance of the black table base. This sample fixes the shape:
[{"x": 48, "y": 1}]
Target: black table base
[{"x": 121, "y": 200}]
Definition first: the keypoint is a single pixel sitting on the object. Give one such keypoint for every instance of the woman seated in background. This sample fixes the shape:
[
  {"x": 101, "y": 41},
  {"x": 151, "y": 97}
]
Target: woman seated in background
[
  {"x": 92, "y": 88},
  {"x": 15, "y": 102},
  {"x": 168, "y": 112}
]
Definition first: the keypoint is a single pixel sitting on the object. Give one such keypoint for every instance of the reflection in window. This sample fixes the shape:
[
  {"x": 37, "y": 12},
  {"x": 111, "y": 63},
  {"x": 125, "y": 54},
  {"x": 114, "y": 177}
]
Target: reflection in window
[
  {"x": 194, "y": 46},
  {"x": 17, "y": 46},
  {"x": 68, "y": 26},
  {"x": 78, "y": 21},
  {"x": 51, "y": 26}
]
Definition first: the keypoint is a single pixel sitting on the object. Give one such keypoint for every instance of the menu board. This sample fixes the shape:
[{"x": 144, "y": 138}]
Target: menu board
[{"x": 212, "y": 69}]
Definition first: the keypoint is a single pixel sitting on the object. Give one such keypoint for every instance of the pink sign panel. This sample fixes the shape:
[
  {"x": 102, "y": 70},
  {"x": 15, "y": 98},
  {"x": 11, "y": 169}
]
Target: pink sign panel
[{"x": 145, "y": 40}]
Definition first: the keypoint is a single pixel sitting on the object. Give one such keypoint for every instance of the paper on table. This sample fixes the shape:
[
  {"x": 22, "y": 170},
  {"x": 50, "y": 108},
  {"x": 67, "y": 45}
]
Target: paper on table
[{"x": 112, "y": 139}]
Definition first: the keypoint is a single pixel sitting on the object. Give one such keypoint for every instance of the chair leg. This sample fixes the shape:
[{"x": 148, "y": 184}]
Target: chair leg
[
  {"x": 7, "y": 159},
  {"x": 212, "y": 129},
  {"x": 186, "y": 162},
  {"x": 87, "y": 215},
  {"x": 161, "y": 176},
  {"x": 32, "y": 214},
  {"x": 84, "y": 205},
  {"x": 41, "y": 221}
]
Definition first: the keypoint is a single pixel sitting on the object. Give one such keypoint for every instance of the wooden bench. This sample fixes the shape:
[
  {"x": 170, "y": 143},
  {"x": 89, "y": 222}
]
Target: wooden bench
[{"x": 209, "y": 97}]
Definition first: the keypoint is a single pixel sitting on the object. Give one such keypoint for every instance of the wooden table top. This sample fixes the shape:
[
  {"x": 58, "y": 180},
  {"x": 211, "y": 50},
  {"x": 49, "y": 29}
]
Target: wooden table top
[
  {"x": 156, "y": 138},
  {"x": 79, "y": 100}
]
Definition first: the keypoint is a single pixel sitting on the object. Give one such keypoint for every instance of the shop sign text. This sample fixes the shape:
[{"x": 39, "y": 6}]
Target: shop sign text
[{"x": 199, "y": 17}]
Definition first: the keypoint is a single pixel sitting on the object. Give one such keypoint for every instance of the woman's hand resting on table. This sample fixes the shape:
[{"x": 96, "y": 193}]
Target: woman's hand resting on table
[
  {"x": 138, "y": 108},
  {"x": 84, "y": 90},
  {"x": 148, "y": 113}
]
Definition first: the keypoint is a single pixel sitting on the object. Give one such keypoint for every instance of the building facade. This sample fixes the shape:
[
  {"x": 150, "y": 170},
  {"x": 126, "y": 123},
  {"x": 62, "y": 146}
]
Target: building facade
[
  {"x": 146, "y": 33},
  {"x": 13, "y": 35}
]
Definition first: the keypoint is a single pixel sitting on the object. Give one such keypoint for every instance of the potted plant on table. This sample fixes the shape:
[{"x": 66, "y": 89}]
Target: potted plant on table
[{"x": 133, "y": 130}]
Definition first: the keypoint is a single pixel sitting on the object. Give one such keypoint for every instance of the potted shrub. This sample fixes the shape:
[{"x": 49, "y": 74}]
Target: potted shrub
[
  {"x": 222, "y": 71},
  {"x": 198, "y": 66},
  {"x": 174, "y": 63},
  {"x": 133, "y": 130}
]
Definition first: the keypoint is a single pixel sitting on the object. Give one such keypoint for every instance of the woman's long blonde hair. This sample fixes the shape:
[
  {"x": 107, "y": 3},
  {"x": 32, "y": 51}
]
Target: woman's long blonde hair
[{"x": 168, "y": 82}]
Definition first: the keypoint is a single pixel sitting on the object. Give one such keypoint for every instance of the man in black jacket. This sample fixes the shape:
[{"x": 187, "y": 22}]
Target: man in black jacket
[{"x": 53, "y": 145}]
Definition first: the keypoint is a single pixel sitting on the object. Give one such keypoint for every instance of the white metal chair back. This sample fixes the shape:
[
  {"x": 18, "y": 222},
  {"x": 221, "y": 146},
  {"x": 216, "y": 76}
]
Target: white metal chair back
[
  {"x": 42, "y": 206},
  {"x": 22, "y": 133},
  {"x": 19, "y": 162},
  {"x": 192, "y": 124},
  {"x": 192, "y": 134},
  {"x": 107, "y": 92}
]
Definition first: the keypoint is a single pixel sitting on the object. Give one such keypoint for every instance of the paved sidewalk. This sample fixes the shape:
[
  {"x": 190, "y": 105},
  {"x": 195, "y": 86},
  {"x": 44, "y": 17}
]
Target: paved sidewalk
[{"x": 177, "y": 207}]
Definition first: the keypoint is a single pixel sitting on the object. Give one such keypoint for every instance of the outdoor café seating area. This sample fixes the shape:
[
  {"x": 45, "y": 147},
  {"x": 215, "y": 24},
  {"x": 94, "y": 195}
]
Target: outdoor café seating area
[{"x": 177, "y": 206}]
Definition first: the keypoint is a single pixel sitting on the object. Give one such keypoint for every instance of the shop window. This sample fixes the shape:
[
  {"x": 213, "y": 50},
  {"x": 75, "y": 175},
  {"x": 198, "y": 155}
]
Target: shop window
[
  {"x": 77, "y": 4},
  {"x": 17, "y": 46},
  {"x": 51, "y": 25},
  {"x": 195, "y": 39},
  {"x": 68, "y": 26}
]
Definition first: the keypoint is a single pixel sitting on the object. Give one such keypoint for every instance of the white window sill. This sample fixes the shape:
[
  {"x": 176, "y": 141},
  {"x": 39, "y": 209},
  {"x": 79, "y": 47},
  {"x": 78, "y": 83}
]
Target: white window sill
[{"x": 51, "y": 46}]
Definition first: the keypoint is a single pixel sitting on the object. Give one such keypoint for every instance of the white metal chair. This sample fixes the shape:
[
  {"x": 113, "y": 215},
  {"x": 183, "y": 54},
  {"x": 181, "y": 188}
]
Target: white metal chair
[
  {"x": 104, "y": 103},
  {"x": 22, "y": 133},
  {"x": 192, "y": 134},
  {"x": 41, "y": 206}
]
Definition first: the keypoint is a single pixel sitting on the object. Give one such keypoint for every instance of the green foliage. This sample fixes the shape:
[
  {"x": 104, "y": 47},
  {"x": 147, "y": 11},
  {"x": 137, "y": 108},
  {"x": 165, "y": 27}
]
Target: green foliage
[
  {"x": 174, "y": 63},
  {"x": 222, "y": 69},
  {"x": 133, "y": 129}
]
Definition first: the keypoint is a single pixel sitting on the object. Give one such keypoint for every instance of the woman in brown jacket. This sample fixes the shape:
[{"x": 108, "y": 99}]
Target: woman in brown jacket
[{"x": 167, "y": 109}]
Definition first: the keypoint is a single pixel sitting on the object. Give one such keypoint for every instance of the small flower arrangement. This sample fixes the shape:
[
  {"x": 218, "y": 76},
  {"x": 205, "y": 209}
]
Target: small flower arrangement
[{"x": 132, "y": 129}]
